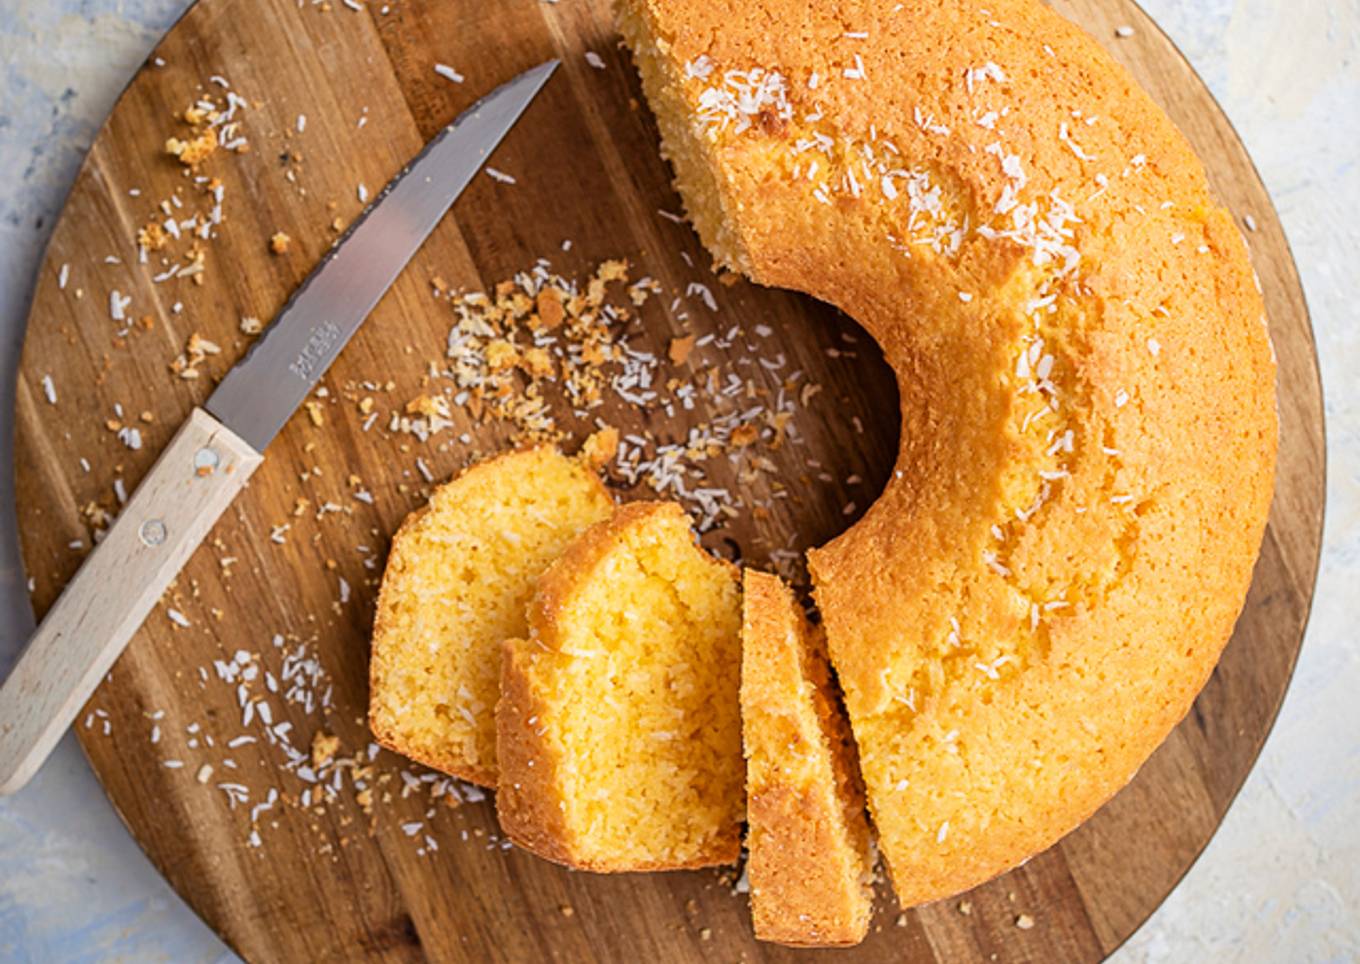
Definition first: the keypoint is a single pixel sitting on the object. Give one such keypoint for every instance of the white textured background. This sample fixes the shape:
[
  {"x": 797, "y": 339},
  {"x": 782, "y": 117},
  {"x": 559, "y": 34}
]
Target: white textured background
[{"x": 1280, "y": 881}]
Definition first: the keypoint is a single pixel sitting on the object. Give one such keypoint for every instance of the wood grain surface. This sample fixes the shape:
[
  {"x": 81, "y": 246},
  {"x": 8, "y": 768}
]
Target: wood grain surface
[
  {"x": 200, "y": 473},
  {"x": 335, "y": 880}
]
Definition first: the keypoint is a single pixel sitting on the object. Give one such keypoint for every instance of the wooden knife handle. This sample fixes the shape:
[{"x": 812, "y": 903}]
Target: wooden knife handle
[{"x": 171, "y": 512}]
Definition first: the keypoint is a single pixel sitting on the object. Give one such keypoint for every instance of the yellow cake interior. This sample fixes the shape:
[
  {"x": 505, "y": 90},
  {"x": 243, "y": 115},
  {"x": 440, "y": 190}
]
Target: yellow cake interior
[
  {"x": 460, "y": 574},
  {"x": 631, "y": 667}
]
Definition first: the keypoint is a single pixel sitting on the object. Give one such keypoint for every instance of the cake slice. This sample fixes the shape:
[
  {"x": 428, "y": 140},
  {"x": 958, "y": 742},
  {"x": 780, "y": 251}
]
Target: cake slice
[
  {"x": 810, "y": 863},
  {"x": 457, "y": 580},
  {"x": 618, "y": 729}
]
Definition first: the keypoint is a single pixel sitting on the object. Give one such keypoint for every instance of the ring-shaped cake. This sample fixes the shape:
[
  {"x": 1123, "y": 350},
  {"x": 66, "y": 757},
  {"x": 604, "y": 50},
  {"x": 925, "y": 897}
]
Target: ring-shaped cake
[{"x": 1087, "y": 402}]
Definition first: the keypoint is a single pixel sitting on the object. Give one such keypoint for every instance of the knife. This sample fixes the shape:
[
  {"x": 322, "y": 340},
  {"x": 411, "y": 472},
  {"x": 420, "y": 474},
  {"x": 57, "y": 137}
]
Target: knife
[{"x": 214, "y": 453}]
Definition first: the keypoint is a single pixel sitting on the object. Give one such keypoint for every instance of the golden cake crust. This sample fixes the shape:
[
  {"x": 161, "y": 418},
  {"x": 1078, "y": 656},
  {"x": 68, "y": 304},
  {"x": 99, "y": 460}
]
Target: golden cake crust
[
  {"x": 809, "y": 865},
  {"x": 527, "y": 799},
  {"x": 1086, "y": 386},
  {"x": 408, "y": 584},
  {"x": 530, "y": 800}
]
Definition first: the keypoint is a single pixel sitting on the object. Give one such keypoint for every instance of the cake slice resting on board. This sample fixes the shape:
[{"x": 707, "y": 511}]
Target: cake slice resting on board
[
  {"x": 618, "y": 729},
  {"x": 811, "y": 861},
  {"x": 459, "y": 575}
]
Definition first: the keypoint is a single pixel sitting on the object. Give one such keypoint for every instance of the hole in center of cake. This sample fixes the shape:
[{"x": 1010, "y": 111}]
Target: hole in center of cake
[{"x": 834, "y": 453}]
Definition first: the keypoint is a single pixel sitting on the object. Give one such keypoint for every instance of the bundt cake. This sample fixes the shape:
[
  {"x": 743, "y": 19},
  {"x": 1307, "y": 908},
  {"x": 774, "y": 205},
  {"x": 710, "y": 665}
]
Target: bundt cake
[
  {"x": 1086, "y": 388},
  {"x": 810, "y": 865},
  {"x": 618, "y": 729},
  {"x": 457, "y": 580}
]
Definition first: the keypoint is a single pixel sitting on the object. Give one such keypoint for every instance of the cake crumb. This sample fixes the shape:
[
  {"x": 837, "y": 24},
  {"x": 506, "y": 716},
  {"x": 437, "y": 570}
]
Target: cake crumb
[
  {"x": 279, "y": 242},
  {"x": 152, "y": 237},
  {"x": 537, "y": 363},
  {"x": 501, "y": 355},
  {"x": 965, "y": 907},
  {"x": 744, "y": 435},
  {"x": 196, "y": 350},
  {"x": 192, "y": 152},
  {"x": 680, "y": 349},
  {"x": 324, "y": 747},
  {"x": 1024, "y": 922},
  {"x": 550, "y": 310},
  {"x": 601, "y": 446},
  {"x": 427, "y": 406}
]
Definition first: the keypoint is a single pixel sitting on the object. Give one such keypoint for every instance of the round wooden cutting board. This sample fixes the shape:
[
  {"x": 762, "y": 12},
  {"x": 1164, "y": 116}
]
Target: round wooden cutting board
[{"x": 273, "y": 613}]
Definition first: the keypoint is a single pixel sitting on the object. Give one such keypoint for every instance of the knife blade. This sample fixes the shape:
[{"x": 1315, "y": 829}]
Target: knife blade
[
  {"x": 216, "y": 450},
  {"x": 264, "y": 389}
]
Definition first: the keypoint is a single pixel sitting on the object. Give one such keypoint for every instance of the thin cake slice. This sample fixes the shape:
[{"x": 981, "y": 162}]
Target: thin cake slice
[
  {"x": 618, "y": 728},
  {"x": 810, "y": 865},
  {"x": 459, "y": 575}
]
